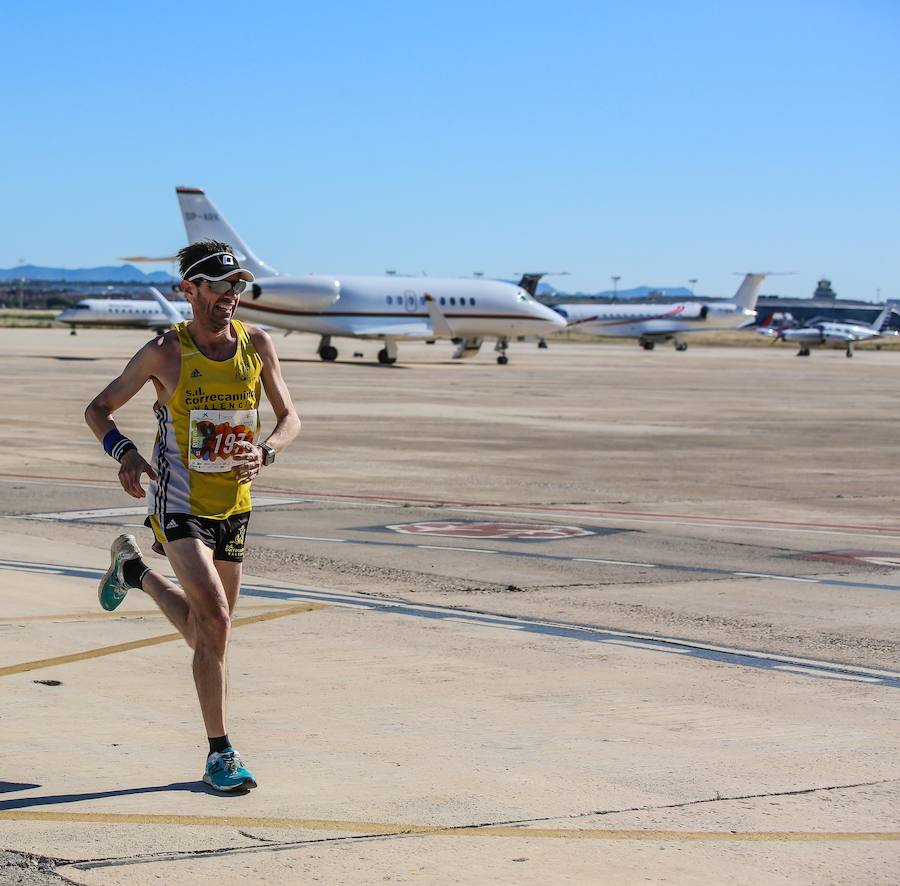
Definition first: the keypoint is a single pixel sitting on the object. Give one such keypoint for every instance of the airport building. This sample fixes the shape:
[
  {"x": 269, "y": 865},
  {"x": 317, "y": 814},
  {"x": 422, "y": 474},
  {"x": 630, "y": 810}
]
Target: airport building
[{"x": 824, "y": 304}]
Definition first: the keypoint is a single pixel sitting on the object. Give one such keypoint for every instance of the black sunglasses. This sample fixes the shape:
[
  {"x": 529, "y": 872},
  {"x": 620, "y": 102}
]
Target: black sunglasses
[{"x": 220, "y": 287}]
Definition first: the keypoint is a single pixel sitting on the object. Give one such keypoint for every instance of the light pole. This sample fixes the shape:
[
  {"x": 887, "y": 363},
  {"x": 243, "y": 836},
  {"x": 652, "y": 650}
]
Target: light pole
[
  {"x": 21, "y": 286},
  {"x": 615, "y": 278},
  {"x": 693, "y": 282}
]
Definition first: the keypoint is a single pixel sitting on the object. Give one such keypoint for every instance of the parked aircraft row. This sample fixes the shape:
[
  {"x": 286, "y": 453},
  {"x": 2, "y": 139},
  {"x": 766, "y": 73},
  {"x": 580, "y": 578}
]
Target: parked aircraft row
[{"x": 465, "y": 310}]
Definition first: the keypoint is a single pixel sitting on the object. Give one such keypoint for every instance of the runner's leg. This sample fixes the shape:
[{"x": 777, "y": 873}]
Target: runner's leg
[
  {"x": 230, "y": 576},
  {"x": 209, "y": 623},
  {"x": 172, "y": 600}
]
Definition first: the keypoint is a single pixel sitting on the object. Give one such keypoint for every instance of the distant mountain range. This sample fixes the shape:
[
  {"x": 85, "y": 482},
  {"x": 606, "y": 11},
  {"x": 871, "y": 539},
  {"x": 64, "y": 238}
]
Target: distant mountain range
[{"x": 108, "y": 274}]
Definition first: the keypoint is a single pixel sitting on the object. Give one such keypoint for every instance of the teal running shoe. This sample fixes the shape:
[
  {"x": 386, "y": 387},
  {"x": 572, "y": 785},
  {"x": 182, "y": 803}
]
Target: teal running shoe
[
  {"x": 113, "y": 586},
  {"x": 226, "y": 772}
]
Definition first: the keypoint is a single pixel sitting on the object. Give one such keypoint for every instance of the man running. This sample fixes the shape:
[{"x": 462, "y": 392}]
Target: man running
[{"x": 207, "y": 375}]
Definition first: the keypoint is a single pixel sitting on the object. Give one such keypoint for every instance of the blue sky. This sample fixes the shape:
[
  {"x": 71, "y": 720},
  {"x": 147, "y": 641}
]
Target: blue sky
[{"x": 658, "y": 141}]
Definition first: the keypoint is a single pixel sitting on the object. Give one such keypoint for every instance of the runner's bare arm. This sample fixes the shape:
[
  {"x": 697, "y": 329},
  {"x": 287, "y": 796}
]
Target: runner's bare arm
[
  {"x": 287, "y": 423},
  {"x": 143, "y": 366}
]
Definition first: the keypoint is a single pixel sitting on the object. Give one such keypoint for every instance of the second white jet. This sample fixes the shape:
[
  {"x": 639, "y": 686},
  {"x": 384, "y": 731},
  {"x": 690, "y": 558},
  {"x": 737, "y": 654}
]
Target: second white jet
[{"x": 652, "y": 323}]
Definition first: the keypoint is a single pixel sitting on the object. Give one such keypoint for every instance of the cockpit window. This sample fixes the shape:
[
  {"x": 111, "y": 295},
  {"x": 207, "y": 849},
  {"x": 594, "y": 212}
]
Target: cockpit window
[{"x": 561, "y": 311}]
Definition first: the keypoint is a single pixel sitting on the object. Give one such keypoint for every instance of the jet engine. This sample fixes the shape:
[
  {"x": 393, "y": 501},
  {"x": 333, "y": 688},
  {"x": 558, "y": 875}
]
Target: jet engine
[
  {"x": 694, "y": 312},
  {"x": 296, "y": 293}
]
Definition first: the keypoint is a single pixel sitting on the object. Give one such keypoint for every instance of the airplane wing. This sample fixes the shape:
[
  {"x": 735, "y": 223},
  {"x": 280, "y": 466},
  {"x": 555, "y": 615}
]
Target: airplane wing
[
  {"x": 172, "y": 316},
  {"x": 439, "y": 324},
  {"x": 678, "y": 328},
  {"x": 416, "y": 327}
]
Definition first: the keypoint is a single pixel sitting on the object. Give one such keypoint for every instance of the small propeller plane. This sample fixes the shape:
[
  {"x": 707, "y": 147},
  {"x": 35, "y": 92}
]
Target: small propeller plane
[{"x": 820, "y": 331}]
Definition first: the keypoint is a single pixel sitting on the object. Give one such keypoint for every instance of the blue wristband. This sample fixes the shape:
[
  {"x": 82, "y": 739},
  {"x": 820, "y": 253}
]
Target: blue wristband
[{"x": 117, "y": 444}]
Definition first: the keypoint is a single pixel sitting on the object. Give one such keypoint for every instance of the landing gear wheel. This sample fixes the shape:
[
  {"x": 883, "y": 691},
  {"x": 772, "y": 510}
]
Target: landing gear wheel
[
  {"x": 803, "y": 352},
  {"x": 503, "y": 359},
  {"x": 849, "y": 352},
  {"x": 386, "y": 359},
  {"x": 328, "y": 353},
  {"x": 681, "y": 346},
  {"x": 648, "y": 345}
]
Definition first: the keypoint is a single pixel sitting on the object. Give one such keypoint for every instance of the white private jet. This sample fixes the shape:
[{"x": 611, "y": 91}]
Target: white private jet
[
  {"x": 652, "y": 323},
  {"x": 121, "y": 312},
  {"x": 821, "y": 331},
  {"x": 391, "y": 308}
]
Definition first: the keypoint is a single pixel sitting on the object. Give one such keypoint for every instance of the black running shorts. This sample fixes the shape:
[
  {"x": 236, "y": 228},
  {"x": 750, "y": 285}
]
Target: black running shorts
[{"x": 225, "y": 538}]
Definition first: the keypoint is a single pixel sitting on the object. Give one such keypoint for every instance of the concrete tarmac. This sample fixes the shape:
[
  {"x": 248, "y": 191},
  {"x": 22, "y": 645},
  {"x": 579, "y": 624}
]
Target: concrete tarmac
[{"x": 600, "y": 615}]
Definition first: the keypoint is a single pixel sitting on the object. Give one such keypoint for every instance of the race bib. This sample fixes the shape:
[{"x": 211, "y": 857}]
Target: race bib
[{"x": 213, "y": 436}]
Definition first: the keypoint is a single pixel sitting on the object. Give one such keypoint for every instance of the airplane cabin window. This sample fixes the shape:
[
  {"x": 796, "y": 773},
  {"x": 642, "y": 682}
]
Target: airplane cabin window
[
  {"x": 452, "y": 301},
  {"x": 443, "y": 300},
  {"x": 472, "y": 302},
  {"x": 390, "y": 301}
]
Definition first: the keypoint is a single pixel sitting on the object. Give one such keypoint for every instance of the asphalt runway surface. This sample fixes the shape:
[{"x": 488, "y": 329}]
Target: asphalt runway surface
[{"x": 634, "y": 615}]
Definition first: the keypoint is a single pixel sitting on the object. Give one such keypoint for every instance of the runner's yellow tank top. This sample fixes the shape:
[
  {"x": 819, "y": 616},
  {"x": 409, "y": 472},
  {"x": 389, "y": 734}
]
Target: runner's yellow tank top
[{"x": 215, "y": 404}]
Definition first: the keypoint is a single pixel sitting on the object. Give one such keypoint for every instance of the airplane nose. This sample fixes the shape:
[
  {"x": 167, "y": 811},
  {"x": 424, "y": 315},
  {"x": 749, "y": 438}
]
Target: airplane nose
[{"x": 554, "y": 320}]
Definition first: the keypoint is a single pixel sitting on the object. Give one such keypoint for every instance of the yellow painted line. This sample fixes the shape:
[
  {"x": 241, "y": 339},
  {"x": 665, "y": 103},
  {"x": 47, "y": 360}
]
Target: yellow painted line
[
  {"x": 372, "y": 827},
  {"x": 125, "y": 613},
  {"x": 149, "y": 641}
]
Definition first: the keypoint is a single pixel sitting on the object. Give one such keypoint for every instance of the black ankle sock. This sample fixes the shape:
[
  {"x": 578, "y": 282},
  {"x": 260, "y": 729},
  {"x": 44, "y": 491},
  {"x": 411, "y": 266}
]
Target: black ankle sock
[
  {"x": 134, "y": 571},
  {"x": 217, "y": 745}
]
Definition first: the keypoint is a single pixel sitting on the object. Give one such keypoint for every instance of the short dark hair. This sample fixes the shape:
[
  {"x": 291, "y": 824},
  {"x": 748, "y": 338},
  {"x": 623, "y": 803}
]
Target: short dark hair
[{"x": 190, "y": 255}]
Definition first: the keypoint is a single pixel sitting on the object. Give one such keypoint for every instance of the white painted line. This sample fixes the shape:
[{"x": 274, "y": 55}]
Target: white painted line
[
  {"x": 68, "y": 516},
  {"x": 304, "y": 537},
  {"x": 637, "y": 644},
  {"x": 17, "y": 480},
  {"x": 614, "y": 562},
  {"x": 269, "y": 501},
  {"x": 39, "y": 568},
  {"x": 259, "y": 501},
  {"x": 812, "y": 581},
  {"x": 449, "y": 548},
  {"x": 856, "y": 678}
]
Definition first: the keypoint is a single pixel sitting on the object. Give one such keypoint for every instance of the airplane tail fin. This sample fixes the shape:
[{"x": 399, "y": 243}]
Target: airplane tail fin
[
  {"x": 748, "y": 292},
  {"x": 203, "y": 221},
  {"x": 883, "y": 319}
]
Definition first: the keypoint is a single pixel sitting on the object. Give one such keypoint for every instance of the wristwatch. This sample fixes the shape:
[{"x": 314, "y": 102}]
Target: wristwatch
[{"x": 268, "y": 454}]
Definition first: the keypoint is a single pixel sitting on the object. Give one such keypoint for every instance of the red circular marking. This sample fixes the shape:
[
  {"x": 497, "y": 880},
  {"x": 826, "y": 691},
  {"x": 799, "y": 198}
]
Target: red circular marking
[{"x": 465, "y": 529}]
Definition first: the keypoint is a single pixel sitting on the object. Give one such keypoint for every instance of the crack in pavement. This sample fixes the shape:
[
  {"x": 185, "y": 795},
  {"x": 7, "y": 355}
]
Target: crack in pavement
[{"x": 442, "y": 830}]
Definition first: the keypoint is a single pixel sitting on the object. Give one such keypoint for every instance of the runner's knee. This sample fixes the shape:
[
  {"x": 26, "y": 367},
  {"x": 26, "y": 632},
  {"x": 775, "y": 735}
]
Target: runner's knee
[{"x": 213, "y": 628}]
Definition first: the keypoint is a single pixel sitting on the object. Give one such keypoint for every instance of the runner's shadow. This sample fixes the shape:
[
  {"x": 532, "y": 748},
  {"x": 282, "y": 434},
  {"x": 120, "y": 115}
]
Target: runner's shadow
[{"x": 192, "y": 787}]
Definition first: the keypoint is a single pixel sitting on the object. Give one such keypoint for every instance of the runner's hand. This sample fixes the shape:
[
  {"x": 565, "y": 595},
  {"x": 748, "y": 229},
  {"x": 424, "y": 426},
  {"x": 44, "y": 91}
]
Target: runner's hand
[
  {"x": 249, "y": 457},
  {"x": 133, "y": 465}
]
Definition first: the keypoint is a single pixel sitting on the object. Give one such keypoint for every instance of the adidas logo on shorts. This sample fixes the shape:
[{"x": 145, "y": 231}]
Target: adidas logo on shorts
[{"x": 171, "y": 525}]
